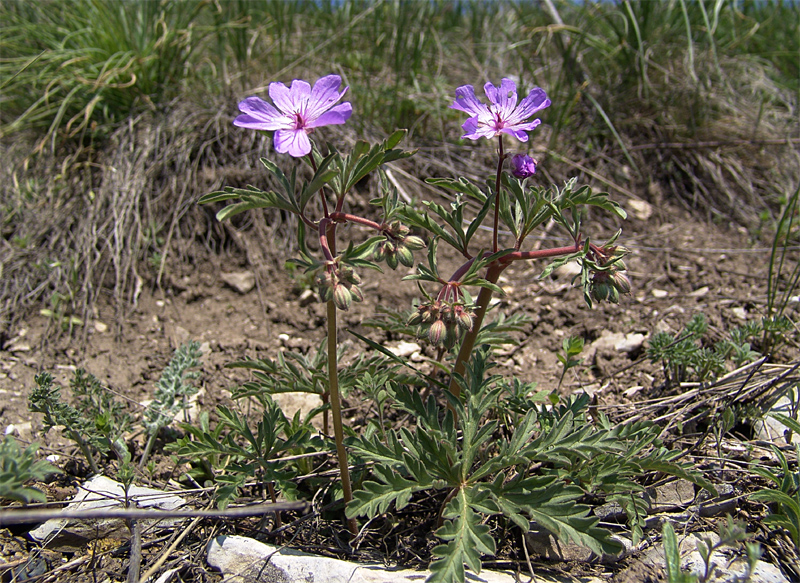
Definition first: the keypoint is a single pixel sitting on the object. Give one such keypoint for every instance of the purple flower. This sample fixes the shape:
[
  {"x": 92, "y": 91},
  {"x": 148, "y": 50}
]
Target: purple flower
[
  {"x": 300, "y": 109},
  {"x": 523, "y": 166},
  {"x": 503, "y": 115}
]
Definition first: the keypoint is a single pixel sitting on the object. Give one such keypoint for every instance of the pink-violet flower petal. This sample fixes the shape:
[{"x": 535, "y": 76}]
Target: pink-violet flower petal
[
  {"x": 467, "y": 102},
  {"x": 503, "y": 115},
  {"x": 297, "y": 111},
  {"x": 324, "y": 95},
  {"x": 334, "y": 116},
  {"x": 292, "y": 142},
  {"x": 259, "y": 115}
]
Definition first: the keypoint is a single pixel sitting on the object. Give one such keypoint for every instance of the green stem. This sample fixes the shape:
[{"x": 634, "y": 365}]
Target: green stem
[
  {"x": 148, "y": 448},
  {"x": 86, "y": 450},
  {"x": 336, "y": 401}
]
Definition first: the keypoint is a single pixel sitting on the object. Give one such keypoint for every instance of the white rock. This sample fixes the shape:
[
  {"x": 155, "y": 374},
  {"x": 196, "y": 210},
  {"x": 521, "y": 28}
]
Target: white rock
[
  {"x": 609, "y": 342},
  {"x": 659, "y": 293},
  {"x": 700, "y": 292},
  {"x": 241, "y": 281},
  {"x": 404, "y": 349},
  {"x": 245, "y": 560},
  {"x": 100, "y": 327},
  {"x": 102, "y": 492},
  {"x": 21, "y": 430},
  {"x": 631, "y": 343},
  {"x": 731, "y": 569},
  {"x": 729, "y": 565},
  {"x": 770, "y": 429},
  {"x": 640, "y": 209},
  {"x": 740, "y": 313},
  {"x": 307, "y": 297}
]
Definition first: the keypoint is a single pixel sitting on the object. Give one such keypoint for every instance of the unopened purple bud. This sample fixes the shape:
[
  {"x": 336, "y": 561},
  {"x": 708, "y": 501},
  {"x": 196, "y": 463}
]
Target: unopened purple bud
[{"x": 523, "y": 166}]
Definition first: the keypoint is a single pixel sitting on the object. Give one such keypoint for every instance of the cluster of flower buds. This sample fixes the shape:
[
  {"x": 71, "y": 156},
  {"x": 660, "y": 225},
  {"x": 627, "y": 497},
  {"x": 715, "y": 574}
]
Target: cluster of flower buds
[
  {"x": 610, "y": 280},
  {"x": 340, "y": 284},
  {"x": 398, "y": 246},
  {"x": 442, "y": 322}
]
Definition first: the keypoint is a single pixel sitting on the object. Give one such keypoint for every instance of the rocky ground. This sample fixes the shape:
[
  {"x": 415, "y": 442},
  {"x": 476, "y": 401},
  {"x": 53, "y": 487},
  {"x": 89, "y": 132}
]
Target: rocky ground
[{"x": 679, "y": 265}]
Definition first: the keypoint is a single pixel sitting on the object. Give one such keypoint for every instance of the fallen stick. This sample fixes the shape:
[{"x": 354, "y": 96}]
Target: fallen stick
[{"x": 22, "y": 516}]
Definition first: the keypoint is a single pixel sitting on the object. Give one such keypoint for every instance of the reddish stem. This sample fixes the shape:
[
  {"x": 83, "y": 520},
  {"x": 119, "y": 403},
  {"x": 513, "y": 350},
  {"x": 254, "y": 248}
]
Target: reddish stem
[
  {"x": 340, "y": 217},
  {"x": 327, "y": 230},
  {"x": 500, "y": 159},
  {"x": 519, "y": 256},
  {"x": 492, "y": 275}
]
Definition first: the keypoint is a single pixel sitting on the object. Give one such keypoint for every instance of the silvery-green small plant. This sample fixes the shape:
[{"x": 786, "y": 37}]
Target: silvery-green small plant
[
  {"x": 95, "y": 423},
  {"x": 684, "y": 357},
  {"x": 172, "y": 392},
  {"x": 19, "y": 466}
]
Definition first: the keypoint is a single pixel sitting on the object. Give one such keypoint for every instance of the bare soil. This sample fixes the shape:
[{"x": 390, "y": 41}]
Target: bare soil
[{"x": 679, "y": 266}]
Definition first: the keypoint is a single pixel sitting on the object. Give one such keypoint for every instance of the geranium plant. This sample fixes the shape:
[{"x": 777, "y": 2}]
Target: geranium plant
[{"x": 485, "y": 467}]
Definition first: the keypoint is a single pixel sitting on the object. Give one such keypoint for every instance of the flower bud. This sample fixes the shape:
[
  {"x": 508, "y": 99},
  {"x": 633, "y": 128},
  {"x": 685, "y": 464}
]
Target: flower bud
[
  {"x": 601, "y": 290},
  {"x": 342, "y": 297},
  {"x": 345, "y": 272},
  {"x": 398, "y": 229},
  {"x": 405, "y": 256},
  {"x": 437, "y": 332},
  {"x": 414, "y": 243},
  {"x": 415, "y": 319},
  {"x": 325, "y": 293},
  {"x": 447, "y": 314},
  {"x": 355, "y": 291},
  {"x": 391, "y": 258},
  {"x": 353, "y": 278},
  {"x": 450, "y": 337},
  {"x": 464, "y": 318},
  {"x": 621, "y": 282},
  {"x": 380, "y": 253},
  {"x": 523, "y": 166},
  {"x": 429, "y": 313}
]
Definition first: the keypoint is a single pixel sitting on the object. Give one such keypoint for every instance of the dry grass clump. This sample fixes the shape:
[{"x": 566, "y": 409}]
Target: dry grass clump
[
  {"x": 90, "y": 219},
  {"x": 724, "y": 142}
]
